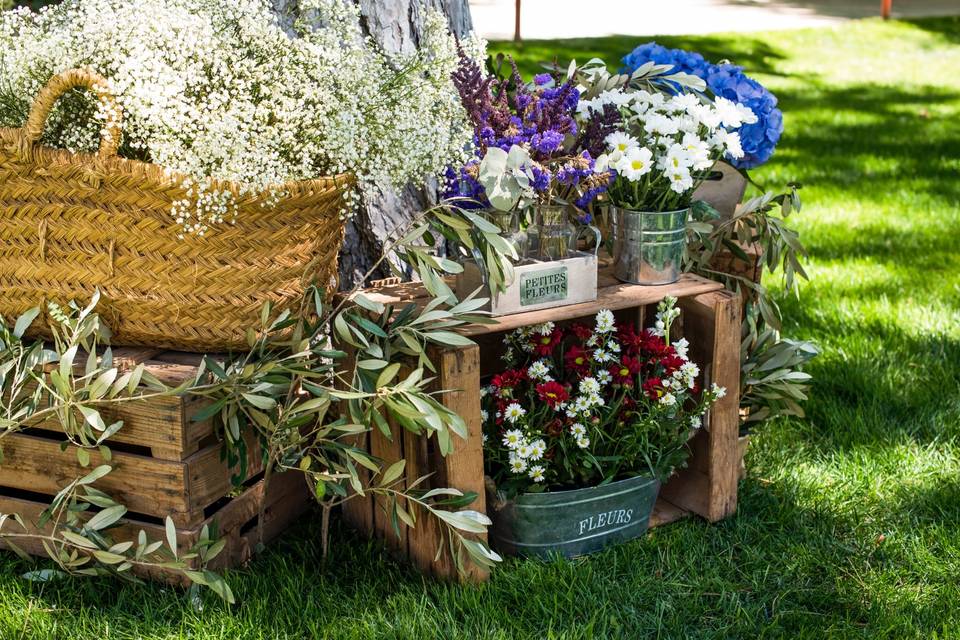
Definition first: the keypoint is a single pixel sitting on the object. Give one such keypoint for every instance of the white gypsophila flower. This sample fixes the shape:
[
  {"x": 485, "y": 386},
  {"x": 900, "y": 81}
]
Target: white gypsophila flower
[
  {"x": 583, "y": 442},
  {"x": 589, "y": 385},
  {"x": 540, "y": 370},
  {"x": 605, "y": 321},
  {"x": 578, "y": 430},
  {"x": 514, "y": 412},
  {"x": 668, "y": 399},
  {"x": 537, "y": 473},
  {"x": 218, "y": 91},
  {"x": 537, "y": 449},
  {"x": 513, "y": 438}
]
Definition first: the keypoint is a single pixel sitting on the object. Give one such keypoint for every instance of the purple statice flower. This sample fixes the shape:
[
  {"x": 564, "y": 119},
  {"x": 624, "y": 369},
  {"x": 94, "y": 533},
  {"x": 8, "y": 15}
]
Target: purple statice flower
[
  {"x": 758, "y": 139},
  {"x": 547, "y": 142},
  {"x": 463, "y": 186},
  {"x": 575, "y": 170},
  {"x": 594, "y": 185},
  {"x": 593, "y": 134},
  {"x": 541, "y": 178},
  {"x": 542, "y": 79}
]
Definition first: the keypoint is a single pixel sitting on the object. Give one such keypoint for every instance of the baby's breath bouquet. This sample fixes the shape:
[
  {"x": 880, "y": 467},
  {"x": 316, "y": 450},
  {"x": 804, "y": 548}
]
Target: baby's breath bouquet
[
  {"x": 583, "y": 405},
  {"x": 218, "y": 90}
]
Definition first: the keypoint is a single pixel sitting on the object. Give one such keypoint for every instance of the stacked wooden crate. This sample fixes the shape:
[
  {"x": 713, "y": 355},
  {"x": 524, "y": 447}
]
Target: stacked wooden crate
[
  {"x": 164, "y": 464},
  {"x": 710, "y": 320}
]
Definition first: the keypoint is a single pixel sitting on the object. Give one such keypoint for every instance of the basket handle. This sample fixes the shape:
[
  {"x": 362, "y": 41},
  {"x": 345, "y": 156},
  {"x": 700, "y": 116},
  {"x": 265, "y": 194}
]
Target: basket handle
[{"x": 60, "y": 84}]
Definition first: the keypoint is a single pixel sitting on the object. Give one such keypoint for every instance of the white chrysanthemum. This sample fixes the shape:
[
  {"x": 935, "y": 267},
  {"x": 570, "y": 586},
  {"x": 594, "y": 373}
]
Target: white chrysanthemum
[
  {"x": 514, "y": 412},
  {"x": 621, "y": 142},
  {"x": 513, "y": 438},
  {"x": 668, "y": 399},
  {"x": 484, "y": 415},
  {"x": 540, "y": 370},
  {"x": 524, "y": 451},
  {"x": 718, "y": 391},
  {"x": 635, "y": 164},
  {"x": 518, "y": 465},
  {"x": 537, "y": 473},
  {"x": 695, "y": 422},
  {"x": 537, "y": 449},
  {"x": 589, "y": 385},
  {"x": 604, "y": 377},
  {"x": 544, "y": 329},
  {"x": 602, "y": 356},
  {"x": 583, "y": 442},
  {"x": 578, "y": 430},
  {"x": 605, "y": 321}
]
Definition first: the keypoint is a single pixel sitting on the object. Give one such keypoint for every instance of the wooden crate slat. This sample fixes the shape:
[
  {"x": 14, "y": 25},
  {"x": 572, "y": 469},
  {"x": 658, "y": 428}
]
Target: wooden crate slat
[
  {"x": 389, "y": 450},
  {"x": 286, "y": 499},
  {"x": 458, "y": 373}
]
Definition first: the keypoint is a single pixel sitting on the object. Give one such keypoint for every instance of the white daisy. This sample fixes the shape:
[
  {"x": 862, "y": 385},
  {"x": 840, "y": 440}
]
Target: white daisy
[
  {"x": 605, "y": 321},
  {"x": 537, "y": 473},
  {"x": 583, "y": 442},
  {"x": 578, "y": 430},
  {"x": 589, "y": 385},
  {"x": 537, "y": 449},
  {"x": 513, "y": 438},
  {"x": 621, "y": 142},
  {"x": 514, "y": 412},
  {"x": 668, "y": 399},
  {"x": 518, "y": 465},
  {"x": 604, "y": 377}
]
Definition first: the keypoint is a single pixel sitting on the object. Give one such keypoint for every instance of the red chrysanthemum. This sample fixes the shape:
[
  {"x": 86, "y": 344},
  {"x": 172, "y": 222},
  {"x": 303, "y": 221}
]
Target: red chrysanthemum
[
  {"x": 629, "y": 339},
  {"x": 544, "y": 345},
  {"x": 653, "y": 387},
  {"x": 671, "y": 363},
  {"x": 553, "y": 393},
  {"x": 577, "y": 359},
  {"x": 623, "y": 372},
  {"x": 509, "y": 379},
  {"x": 653, "y": 346},
  {"x": 580, "y": 331}
]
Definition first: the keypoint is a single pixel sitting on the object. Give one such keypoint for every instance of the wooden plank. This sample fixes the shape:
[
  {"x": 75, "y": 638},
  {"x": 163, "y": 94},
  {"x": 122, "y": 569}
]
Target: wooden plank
[
  {"x": 458, "y": 373},
  {"x": 708, "y": 486},
  {"x": 357, "y": 510},
  {"x": 388, "y": 450},
  {"x": 613, "y": 295},
  {"x": 424, "y": 539},
  {"x": 665, "y": 512},
  {"x": 143, "y": 484},
  {"x": 286, "y": 499}
]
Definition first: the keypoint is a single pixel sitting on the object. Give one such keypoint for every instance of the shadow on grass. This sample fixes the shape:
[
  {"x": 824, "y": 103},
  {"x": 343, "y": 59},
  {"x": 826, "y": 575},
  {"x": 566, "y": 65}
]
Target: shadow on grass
[{"x": 755, "y": 54}]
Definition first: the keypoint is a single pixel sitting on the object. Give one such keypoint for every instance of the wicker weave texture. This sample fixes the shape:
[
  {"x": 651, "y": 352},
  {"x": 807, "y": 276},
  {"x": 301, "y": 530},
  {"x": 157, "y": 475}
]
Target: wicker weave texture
[{"x": 74, "y": 223}]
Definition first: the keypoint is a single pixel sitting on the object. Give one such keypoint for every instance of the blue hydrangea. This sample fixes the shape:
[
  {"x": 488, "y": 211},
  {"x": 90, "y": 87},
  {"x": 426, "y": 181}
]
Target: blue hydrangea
[{"x": 727, "y": 80}]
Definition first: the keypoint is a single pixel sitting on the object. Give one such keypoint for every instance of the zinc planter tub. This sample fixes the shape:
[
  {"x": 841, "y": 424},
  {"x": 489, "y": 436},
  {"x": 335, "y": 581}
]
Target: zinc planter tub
[
  {"x": 573, "y": 523},
  {"x": 648, "y": 245}
]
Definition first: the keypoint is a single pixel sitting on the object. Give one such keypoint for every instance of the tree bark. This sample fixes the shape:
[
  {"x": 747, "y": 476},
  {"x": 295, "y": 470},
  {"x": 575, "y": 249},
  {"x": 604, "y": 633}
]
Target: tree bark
[{"x": 396, "y": 25}]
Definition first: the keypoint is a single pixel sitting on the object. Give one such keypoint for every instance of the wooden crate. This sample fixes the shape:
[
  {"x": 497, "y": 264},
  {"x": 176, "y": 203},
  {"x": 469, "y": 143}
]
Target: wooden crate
[
  {"x": 164, "y": 464},
  {"x": 710, "y": 319}
]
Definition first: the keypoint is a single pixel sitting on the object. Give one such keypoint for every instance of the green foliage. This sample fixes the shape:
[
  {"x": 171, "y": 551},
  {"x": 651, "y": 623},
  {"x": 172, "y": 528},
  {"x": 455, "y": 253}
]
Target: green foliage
[
  {"x": 70, "y": 382},
  {"x": 772, "y": 382}
]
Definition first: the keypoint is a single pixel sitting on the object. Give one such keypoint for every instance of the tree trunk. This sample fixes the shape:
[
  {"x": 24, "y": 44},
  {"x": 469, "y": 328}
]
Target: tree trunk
[{"x": 397, "y": 25}]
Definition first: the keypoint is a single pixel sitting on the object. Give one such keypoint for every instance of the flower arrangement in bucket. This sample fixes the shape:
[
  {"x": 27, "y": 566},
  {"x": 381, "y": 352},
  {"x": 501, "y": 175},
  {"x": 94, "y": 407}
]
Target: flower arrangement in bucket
[
  {"x": 582, "y": 427},
  {"x": 661, "y": 144}
]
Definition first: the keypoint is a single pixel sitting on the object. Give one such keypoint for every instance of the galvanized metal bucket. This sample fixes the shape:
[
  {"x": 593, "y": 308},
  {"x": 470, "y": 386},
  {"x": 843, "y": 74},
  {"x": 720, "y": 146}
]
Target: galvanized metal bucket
[
  {"x": 573, "y": 523},
  {"x": 648, "y": 245}
]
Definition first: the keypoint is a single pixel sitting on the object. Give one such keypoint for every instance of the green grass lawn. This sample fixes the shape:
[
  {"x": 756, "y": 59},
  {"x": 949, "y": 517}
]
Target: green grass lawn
[{"x": 849, "y": 520}]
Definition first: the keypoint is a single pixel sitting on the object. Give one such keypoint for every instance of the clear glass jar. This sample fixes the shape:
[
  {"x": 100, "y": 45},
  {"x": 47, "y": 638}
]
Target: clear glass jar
[{"x": 508, "y": 222}]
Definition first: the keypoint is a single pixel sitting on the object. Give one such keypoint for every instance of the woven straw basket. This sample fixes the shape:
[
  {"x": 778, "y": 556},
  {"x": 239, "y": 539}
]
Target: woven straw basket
[{"x": 74, "y": 223}]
